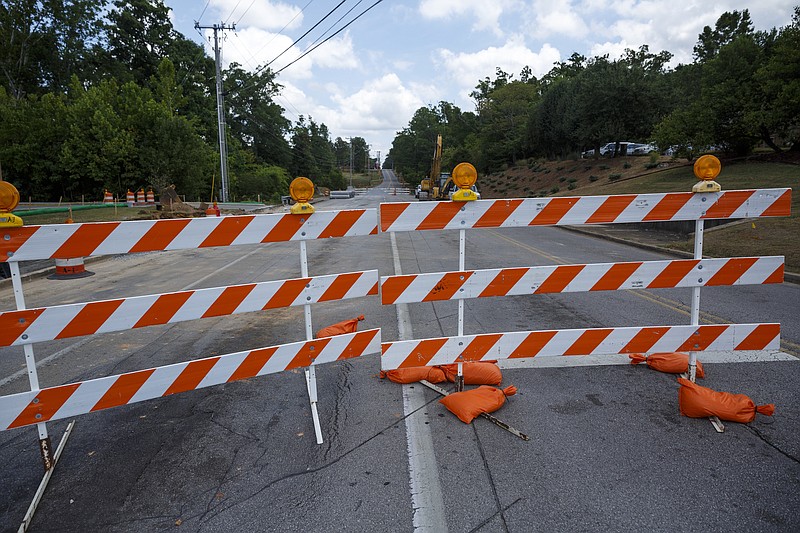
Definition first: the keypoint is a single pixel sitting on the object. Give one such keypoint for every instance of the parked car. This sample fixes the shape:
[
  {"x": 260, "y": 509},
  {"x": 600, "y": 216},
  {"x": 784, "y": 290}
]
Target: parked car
[
  {"x": 641, "y": 149},
  {"x": 455, "y": 190}
]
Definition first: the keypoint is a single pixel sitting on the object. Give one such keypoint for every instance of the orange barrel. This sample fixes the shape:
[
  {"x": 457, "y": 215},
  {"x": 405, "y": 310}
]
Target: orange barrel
[
  {"x": 72, "y": 268},
  {"x": 140, "y": 199},
  {"x": 129, "y": 198},
  {"x": 108, "y": 198},
  {"x": 151, "y": 197}
]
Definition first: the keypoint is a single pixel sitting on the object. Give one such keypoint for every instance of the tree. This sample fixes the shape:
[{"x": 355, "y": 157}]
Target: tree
[
  {"x": 43, "y": 43},
  {"x": 138, "y": 35},
  {"x": 254, "y": 117},
  {"x": 779, "y": 80},
  {"x": 729, "y": 26}
]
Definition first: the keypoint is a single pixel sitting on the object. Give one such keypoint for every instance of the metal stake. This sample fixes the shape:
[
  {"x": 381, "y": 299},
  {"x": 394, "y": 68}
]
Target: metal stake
[
  {"x": 311, "y": 372},
  {"x": 462, "y": 241}
]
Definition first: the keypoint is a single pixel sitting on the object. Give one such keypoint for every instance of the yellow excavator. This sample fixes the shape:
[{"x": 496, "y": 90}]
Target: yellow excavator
[{"x": 438, "y": 184}]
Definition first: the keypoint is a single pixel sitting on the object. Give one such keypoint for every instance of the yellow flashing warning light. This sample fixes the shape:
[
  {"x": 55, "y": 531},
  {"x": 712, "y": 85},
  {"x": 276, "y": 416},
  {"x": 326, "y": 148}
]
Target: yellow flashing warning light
[
  {"x": 9, "y": 199},
  {"x": 301, "y": 190},
  {"x": 707, "y": 168},
  {"x": 465, "y": 176}
]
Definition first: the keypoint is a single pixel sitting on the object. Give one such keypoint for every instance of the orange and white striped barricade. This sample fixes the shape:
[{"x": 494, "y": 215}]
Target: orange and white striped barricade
[
  {"x": 25, "y": 326},
  {"x": 150, "y": 197},
  {"x": 523, "y": 212},
  {"x": 130, "y": 198},
  {"x": 108, "y": 198},
  {"x": 140, "y": 197},
  {"x": 53, "y": 403},
  {"x": 566, "y": 342}
]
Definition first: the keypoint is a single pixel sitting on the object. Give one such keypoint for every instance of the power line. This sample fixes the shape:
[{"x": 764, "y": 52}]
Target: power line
[
  {"x": 204, "y": 10},
  {"x": 328, "y": 38},
  {"x": 337, "y": 22},
  {"x": 245, "y": 11},
  {"x": 306, "y": 33},
  {"x": 233, "y": 11},
  {"x": 284, "y": 26}
]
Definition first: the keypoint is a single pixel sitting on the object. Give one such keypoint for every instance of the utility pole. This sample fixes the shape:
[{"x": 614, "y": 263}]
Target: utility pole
[
  {"x": 223, "y": 145},
  {"x": 350, "y": 139}
]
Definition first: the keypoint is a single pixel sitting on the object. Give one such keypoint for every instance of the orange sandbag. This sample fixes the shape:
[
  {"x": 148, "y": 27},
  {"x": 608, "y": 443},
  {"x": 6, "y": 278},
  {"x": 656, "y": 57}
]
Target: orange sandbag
[
  {"x": 475, "y": 373},
  {"x": 414, "y": 374},
  {"x": 340, "y": 328},
  {"x": 696, "y": 401},
  {"x": 469, "y": 404},
  {"x": 671, "y": 363}
]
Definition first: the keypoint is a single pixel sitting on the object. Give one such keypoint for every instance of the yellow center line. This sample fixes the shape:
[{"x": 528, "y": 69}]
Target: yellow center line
[{"x": 672, "y": 305}]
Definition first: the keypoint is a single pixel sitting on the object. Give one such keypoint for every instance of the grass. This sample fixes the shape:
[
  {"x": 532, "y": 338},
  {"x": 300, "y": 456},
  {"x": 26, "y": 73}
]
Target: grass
[{"x": 103, "y": 214}]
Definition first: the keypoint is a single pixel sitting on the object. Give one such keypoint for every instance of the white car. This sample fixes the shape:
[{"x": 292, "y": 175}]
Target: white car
[{"x": 455, "y": 190}]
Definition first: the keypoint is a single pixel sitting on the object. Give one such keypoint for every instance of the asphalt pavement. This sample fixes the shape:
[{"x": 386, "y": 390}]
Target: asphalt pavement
[{"x": 608, "y": 449}]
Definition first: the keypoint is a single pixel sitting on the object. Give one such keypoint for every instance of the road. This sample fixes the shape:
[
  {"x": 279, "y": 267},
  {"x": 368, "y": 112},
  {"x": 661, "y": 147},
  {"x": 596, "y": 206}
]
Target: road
[{"x": 608, "y": 448}]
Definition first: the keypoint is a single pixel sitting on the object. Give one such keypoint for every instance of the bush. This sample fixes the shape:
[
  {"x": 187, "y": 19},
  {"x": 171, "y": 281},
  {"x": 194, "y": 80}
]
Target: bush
[
  {"x": 572, "y": 180},
  {"x": 571, "y": 186},
  {"x": 562, "y": 179},
  {"x": 626, "y": 165},
  {"x": 604, "y": 167},
  {"x": 650, "y": 165},
  {"x": 559, "y": 168},
  {"x": 593, "y": 178},
  {"x": 614, "y": 177},
  {"x": 554, "y": 190}
]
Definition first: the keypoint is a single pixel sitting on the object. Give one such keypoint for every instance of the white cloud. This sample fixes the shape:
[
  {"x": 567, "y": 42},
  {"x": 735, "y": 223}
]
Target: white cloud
[
  {"x": 546, "y": 18},
  {"x": 379, "y": 109},
  {"x": 261, "y": 14},
  {"x": 466, "y": 69},
  {"x": 336, "y": 53},
  {"x": 486, "y": 13}
]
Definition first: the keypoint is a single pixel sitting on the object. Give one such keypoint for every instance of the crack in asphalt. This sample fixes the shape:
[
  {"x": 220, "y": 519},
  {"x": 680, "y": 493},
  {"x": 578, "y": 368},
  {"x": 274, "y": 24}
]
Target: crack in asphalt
[
  {"x": 761, "y": 436},
  {"x": 488, "y": 470},
  {"x": 320, "y": 468},
  {"x": 489, "y": 519}
]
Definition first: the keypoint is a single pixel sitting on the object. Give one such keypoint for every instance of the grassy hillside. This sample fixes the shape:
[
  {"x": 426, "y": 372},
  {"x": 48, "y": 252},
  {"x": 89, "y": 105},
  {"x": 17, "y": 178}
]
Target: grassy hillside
[{"x": 766, "y": 236}]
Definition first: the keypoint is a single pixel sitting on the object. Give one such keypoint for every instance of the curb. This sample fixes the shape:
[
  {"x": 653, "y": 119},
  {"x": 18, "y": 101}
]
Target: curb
[{"x": 788, "y": 277}]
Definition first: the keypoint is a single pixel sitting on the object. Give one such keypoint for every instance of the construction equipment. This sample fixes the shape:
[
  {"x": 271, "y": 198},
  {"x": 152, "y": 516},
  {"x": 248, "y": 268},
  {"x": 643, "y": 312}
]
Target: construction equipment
[{"x": 438, "y": 184}]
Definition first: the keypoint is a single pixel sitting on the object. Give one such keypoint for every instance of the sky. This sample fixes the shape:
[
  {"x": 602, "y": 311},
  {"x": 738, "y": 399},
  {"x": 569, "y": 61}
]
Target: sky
[{"x": 401, "y": 55}]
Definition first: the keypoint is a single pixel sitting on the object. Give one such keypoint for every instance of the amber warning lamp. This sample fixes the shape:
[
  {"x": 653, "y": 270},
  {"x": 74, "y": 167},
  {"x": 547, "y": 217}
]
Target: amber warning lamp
[
  {"x": 465, "y": 176},
  {"x": 707, "y": 168},
  {"x": 301, "y": 190},
  {"x": 9, "y": 199}
]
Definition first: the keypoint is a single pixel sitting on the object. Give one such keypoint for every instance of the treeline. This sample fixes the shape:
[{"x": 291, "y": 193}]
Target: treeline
[
  {"x": 97, "y": 95},
  {"x": 742, "y": 90}
]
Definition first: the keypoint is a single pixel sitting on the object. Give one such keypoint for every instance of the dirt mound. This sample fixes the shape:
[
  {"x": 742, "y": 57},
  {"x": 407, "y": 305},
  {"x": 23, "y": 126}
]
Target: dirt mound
[{"x": 173, "y": 207}]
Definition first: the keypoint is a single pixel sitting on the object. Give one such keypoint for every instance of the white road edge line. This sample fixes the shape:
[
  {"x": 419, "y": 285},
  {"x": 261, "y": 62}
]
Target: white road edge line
[
  {"x": 22, "y": 372},
  {"x": 426, "y": 490}
]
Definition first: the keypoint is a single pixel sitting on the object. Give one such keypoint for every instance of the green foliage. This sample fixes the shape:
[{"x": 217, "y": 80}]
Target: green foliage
[
  {"x": 626, "y": 165},
  {"x": 554, "y": 189},
  {"x": 593, "y": 178},
  {"x": 571, "y": 186},
  {"x": 614, "y": 177}
]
